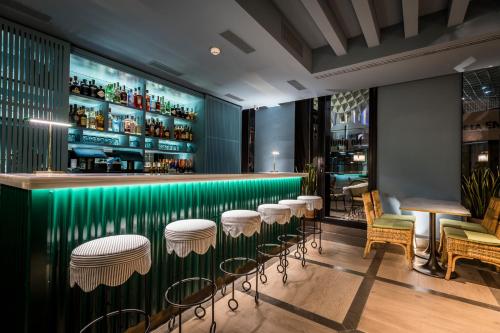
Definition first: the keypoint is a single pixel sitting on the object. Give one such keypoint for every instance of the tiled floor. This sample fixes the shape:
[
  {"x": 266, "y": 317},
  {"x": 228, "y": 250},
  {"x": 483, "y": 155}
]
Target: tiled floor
[{"x": 340, "y": 291}]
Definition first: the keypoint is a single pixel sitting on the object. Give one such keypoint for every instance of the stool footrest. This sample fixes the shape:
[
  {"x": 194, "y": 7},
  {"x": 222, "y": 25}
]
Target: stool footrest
[
  {"x": 270, "y": 250},
  {"x": 236, "y": 266},
  {"x": 116, "y": 313},
  {"x": 197, "y": 298},
  {"x": 310, "y": 230}
]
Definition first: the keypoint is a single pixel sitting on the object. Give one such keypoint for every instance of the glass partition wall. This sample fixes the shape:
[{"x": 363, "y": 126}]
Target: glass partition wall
[
  {"x": 349, "y": 127},
  {"x": 481, "y": 120}
]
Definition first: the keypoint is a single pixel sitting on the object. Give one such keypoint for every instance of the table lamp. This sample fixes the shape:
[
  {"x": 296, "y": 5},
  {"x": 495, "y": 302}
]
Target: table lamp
[
  {"x": 275, "y": 153},
  {"x": 50, "y": 123}
]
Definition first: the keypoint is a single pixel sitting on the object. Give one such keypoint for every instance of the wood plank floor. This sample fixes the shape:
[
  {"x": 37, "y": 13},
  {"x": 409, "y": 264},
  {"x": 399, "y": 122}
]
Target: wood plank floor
[{"x": 339, "y": 291}]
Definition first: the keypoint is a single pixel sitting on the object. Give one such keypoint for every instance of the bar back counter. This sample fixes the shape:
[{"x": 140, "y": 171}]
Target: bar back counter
[{"x": 44, "y": 217}]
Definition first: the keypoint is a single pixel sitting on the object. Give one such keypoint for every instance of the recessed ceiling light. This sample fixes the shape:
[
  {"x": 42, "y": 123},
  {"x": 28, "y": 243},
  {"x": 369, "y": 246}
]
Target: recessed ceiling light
[{"x": 215, "y": 50}]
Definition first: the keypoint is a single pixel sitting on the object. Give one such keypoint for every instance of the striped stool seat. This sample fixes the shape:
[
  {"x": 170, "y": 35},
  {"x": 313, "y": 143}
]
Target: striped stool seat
[
  {"x": 313, "y": 202},
  {"x": 237, "y": 222},
  {"x": 297, "y": 207},
  {"x": 193, "y": 235},
  {"x": 275, "y": 213},
  {"x": 109, "y": 261}
]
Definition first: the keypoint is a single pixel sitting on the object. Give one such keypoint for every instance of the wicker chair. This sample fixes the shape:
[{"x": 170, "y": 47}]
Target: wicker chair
[
  {"x": 379, "y": 213},
  {"x": 470, "y": 244},
  {"x": 393, "y": 231},
  {"x": 487, "y": 225}
]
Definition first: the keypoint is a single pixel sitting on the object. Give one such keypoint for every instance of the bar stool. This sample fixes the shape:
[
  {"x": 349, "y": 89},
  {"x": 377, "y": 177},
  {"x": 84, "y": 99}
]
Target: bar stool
[
  {"x": 110, "y": 261},
  {"x": 272, "y": 213},
  {"x": 298, "y": 209},
  {"x": 234, "y": 224},
  {"x": 182, "y": 238},
  {"x": 314, "y": 205}
]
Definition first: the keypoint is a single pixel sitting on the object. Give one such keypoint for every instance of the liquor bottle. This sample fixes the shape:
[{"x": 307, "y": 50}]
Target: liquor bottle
[
  {"x": 91, "y": 119},
  {"x": 132, "y": 125},
  {"x": 152, "y": 127},
  {"x": 126, "y": 125},
  {"x": 116, "y": 124},
  {"x": 110, "y": 120},
  {"x": 167, "y": 133},
  {"x": 100, "y": 93},
  {"x": 70, "y": 114},
  {"x": 84, "y": 88},
  {"x": 162, "y": 105},
  {"x": 148, "y": 101},
  {"x": 82, "y": 117},
  {"x": 92, "y": 89},
  {"x": 99, "y": 121},
  {"x": 168, "y": 109},
  {"x": 76, "y": 117},
  {"x": 70, "y": 83},
  {"x": 117, "y": 94},
  {"x": 109, "y": 92},
  {"x": 130, "y": 98},
  {"x": 157, "y": 128},
  {"x": 123, "y": 96},
  {"x": 139, "y": 98},
  {"x": 190, "y": 134},
  {"x": 75, "y": 86},
  {"x": 158, "y": 104}
]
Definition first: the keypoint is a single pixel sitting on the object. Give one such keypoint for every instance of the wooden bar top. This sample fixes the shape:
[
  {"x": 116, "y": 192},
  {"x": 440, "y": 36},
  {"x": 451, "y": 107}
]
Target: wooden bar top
[{"x": 64, "y": 180}]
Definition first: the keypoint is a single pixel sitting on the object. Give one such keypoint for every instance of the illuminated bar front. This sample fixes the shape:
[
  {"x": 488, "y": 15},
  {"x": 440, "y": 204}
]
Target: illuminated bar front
[{"x": 44, "y": 217}]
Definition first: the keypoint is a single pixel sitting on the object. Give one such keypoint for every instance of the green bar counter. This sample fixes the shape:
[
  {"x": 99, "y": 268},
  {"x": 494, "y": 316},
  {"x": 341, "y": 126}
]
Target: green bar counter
[{"x": 45, "y": 216}]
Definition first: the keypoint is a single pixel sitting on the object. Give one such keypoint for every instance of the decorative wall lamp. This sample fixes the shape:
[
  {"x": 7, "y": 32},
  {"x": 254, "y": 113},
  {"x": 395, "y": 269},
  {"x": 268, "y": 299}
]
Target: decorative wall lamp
[
  {"x": 359, "y": 157},
  {"x": 275, "y": 153},
  {"x": 50, "y": 123},
  {"x": 482, "y": 157}
]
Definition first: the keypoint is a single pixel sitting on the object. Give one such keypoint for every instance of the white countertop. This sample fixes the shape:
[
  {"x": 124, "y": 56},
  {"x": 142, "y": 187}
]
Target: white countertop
[
  {"x": 63, "y": 180},
  {"x": 434, "y": 206}
]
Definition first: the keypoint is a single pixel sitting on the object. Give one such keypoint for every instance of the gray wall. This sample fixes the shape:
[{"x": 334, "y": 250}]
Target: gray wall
[
  {"x": 419, "y": 141},
  {"x": 221, "y": 151},
  {"x": 275, "y": 130}
]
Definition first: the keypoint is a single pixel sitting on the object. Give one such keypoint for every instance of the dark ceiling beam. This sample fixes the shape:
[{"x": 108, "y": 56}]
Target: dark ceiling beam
[
  {"x": 410, "y": 17},
  {"x": 327, "y": 24},
  {"x": 366, "y": 17},
  {"x": 458, "y": 9}
]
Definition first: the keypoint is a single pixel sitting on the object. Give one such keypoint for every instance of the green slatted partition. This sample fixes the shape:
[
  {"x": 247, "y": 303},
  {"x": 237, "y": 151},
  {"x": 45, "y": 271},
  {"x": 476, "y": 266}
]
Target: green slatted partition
[{"x": 33, "y": 84}]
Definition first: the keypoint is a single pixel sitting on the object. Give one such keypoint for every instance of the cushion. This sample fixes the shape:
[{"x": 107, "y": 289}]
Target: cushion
[
  {"x": 186, "y": 236},
  {"x": 472, "y": 236},
  {"x": 275, "y": 213},
  {"x": 237, "y": 222},
  {"x": 410, "y": 218},
  {"x": 313, "y": 201},
  {"x": 298, "y": 207},
  {"x": 392, "y": 224},
  {"x": 483, "y": 238},
  {"x": 462, "y": 225}
]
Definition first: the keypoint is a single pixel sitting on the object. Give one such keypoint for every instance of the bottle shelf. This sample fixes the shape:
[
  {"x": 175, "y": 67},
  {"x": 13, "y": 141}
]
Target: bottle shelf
[
  {"x": 102, "y": 133},
  {"x": 153, "y": 114},
  {"x": 87, "y": 100},
  {"x": 100, "y": 146}
]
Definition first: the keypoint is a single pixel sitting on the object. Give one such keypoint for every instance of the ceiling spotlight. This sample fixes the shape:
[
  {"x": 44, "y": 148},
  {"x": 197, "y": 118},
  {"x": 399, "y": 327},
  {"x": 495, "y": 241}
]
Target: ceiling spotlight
[
  {"x": 484, "y": 87},
  {"x": 215, "y": 50}
]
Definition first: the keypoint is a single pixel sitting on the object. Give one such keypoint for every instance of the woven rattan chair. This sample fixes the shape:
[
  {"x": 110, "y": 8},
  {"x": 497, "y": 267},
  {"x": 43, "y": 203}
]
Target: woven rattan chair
[
  {"x": 471, "y": 244},
  {"x": 393, "y": 231},
  {"x": 487, "y": 225}
]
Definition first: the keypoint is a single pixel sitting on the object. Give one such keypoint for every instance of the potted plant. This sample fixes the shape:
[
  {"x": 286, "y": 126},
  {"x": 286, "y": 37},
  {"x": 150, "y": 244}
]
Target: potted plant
[
  {"x": 478, "y": 188},
  {"x": 310, "y": 184}
]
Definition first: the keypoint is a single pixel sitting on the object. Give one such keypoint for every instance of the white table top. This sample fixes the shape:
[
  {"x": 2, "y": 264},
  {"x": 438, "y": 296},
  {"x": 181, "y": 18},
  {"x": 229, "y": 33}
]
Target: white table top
[
  {"x": 357, "y": 188},
  {"x": 63, "y": 180},
  {"x": 434, "y": 206}
]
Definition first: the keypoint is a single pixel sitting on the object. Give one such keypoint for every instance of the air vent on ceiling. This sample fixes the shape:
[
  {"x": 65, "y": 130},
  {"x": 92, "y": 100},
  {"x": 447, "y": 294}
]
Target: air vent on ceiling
[
  {"x": 165, "y": 68},
  {"x": 236, "y": 98},
  {"x": 19, "y": 7},
  {"x": 296, "y": 85},
  {"x": 409, "y": 55},
  {"x": 291, "y": 39},
  {"x": 239, "y": 43}
]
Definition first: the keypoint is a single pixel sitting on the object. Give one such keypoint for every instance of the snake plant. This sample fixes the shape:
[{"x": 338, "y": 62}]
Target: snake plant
[
  {"x": 310, "y": 182},
  {"x": 478, "y": 188}
]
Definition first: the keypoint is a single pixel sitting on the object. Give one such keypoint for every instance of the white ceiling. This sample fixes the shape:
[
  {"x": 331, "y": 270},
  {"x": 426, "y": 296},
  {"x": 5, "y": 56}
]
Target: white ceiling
[{"x": 179, "y": 34}]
